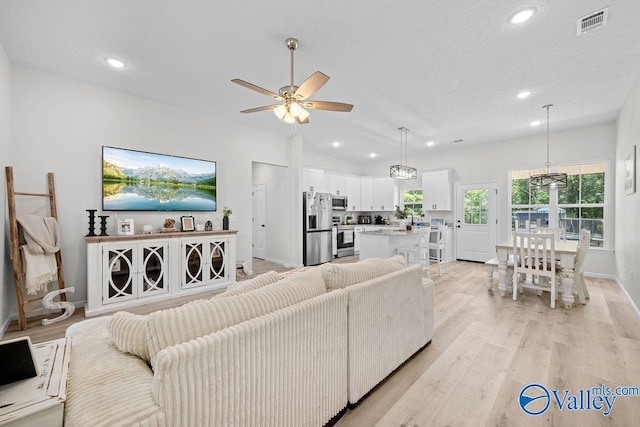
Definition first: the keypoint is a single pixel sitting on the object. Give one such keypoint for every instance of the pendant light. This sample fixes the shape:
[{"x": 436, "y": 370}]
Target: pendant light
[
  {"x": 548, "y": 180},
  {"x": 402, "y": 171}
]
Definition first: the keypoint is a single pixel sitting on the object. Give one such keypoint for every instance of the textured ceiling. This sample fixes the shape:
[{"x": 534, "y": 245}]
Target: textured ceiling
[{"x": 446, "y": 70}]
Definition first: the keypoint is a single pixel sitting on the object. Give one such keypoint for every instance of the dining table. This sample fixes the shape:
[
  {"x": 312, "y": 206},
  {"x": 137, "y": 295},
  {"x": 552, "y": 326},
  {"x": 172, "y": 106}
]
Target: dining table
[{"x": 565, "y": 252}]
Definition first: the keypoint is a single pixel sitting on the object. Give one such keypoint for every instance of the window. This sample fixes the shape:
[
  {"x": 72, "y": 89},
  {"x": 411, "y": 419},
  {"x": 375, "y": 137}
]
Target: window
[
  {"x": 580, "y": 205},
  {"x": 476, "y": 206},
  {"x": 413, "y": 201}
]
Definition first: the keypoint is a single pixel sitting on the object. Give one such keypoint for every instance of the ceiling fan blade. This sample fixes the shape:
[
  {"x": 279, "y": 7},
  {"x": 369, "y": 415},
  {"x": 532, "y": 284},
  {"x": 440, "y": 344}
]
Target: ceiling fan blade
[
  {"x": 311, "y": 85},
  {"x": 257, "y": 89},
  {"x": 302, "y": 122},
  {"x": 254, "y": 110},
  {"x": 327, "y": 105}
]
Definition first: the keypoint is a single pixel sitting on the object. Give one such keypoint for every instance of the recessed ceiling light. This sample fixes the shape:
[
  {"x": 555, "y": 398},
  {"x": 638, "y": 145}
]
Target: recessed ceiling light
[
  {"x": 535, "y": 123},
  {"x": 115, "y": 63},
  {"x": 524, "y": 94},
  {"x": 430, "y": 143},
  {"x": 522, "y": 16},
  {"x": 372, "y": 155},
  {"x": 336, "y": 144}
]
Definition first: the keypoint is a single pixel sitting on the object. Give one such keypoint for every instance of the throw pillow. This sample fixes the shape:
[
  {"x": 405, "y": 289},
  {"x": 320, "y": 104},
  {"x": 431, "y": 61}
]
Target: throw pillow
[
  {"x": 337, "y": 276},
  {"x": 199, "y": 318},
  {"x": 129, "y": 333},
  {"x": 251, "y": 284}
]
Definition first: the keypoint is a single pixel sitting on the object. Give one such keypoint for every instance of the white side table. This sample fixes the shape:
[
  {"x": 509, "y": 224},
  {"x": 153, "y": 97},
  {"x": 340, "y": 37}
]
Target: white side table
[{"x": 39, "y": 401}]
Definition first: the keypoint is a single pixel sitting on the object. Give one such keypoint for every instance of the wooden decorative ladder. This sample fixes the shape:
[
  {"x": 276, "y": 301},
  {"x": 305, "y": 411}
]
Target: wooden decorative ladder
[{"x": 16, "y": 255}]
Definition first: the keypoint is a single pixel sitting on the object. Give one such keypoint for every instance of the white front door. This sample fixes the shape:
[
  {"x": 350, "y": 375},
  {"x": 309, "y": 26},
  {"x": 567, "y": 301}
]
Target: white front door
[
  {"x": 260, "y": 221},
  {"x": 476, "y": 221}
]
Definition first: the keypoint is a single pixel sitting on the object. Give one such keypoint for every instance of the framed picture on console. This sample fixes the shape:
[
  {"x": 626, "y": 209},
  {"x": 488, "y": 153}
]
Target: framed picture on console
[
  {"x": 125, "y": 227},
  {"x": 187, "y": 223}
]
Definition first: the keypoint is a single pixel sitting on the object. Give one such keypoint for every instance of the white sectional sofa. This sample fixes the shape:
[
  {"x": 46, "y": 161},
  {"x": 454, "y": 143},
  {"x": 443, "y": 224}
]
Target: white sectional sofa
[{"x": 292, "y": 349}]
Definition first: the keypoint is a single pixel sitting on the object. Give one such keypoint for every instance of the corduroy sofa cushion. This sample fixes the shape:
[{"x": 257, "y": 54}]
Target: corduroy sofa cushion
[
  {"x": 337, "y": 276},
  {"x": 129, "y": 331},
  {"x": 198, "y": 318},
  {"x": 257, "y": 282}
]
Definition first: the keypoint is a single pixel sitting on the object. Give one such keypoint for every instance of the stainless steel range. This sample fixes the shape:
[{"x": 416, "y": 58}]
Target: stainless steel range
[{"x": 345, "y": 240}]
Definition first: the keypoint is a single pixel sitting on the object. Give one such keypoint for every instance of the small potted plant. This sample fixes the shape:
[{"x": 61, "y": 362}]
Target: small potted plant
[
  {"x": 401, "y": 213},
  {"x": 226, "y": 212}
]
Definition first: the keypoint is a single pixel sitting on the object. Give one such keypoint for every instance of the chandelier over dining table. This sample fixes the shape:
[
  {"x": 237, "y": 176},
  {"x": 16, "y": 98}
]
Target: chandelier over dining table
[{"x": 548, "y": 180}]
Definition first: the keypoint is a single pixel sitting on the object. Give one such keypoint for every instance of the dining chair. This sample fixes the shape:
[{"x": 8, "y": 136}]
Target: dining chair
[
  {"x": 439, "y": 248},
  {"x": 578, "y": 271},
  {"x": 559, "y": 233},
  {"x": 533, "y": 263},
  {"x": 418, "y": 253}
]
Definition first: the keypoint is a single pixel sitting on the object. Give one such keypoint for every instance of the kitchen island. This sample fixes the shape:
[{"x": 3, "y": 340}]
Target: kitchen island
[{"x": 383, "y": 243}]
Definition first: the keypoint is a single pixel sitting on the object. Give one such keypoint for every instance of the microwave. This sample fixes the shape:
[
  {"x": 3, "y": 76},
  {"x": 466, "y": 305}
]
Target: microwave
[{"x": 339, "y": 203}]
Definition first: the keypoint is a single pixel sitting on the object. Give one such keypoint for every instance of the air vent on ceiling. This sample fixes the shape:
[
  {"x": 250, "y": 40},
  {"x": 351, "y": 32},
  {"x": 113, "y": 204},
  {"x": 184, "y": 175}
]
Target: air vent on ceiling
[{"x": 592, "y": 21}]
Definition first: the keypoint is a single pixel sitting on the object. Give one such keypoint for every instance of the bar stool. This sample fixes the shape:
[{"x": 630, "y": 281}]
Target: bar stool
[
  {"x": 419, "y": 253},
  {"x": 439, "y": 246}
]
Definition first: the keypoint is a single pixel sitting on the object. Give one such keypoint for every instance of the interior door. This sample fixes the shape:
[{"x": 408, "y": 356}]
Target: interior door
[
  {"x": 476, "y": 221},
  {"x": 259, "y": 222}
]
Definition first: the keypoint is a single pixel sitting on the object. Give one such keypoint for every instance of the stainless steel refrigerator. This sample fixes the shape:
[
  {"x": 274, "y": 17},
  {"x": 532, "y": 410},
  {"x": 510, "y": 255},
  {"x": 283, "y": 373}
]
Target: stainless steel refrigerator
[{"x": 317, "y": 231}]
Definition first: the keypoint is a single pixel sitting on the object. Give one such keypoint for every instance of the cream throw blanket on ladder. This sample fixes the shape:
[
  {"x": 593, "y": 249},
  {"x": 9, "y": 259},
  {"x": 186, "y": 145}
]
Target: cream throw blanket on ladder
[{"x": 41, "y": 236}]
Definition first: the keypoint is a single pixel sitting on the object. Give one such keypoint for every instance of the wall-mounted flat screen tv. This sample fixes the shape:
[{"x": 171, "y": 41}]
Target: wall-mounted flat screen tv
[{"x": 141, "y": 181}]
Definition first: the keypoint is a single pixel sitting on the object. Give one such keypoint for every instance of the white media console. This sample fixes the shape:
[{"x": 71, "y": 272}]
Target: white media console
[{"x": 126, "y": 271}]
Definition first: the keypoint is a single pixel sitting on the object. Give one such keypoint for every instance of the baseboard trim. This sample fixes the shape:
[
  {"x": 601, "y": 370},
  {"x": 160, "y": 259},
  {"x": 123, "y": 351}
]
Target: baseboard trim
[
  {"x": 601, "y": 276},
  {"x": 5, "y": 325},
  {"x": 42, "y": 311},
  {"x": 633, "y": 304},
  {"x": 292, "y": 265}
]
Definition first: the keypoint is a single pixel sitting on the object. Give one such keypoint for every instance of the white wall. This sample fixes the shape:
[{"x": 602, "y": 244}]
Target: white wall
[
  {"x": 332, "y": 164},
  {"x": 6, "y": 290},
  {"x": 628, "y": 205},
  {"x": 275, "y": 180},
  {"x": 492, "y": 162},
  {"x": 59, "y": 125}
]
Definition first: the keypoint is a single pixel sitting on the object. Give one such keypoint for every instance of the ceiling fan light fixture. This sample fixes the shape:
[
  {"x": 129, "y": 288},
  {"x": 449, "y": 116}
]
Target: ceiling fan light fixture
[
  {"x": 295, "y": 98},
  {"x": 295, "y": 109},
  {"x": 280, "y": 111},
  {"x": 289, "y": 118},
  {"x": 303, "y": 115}
]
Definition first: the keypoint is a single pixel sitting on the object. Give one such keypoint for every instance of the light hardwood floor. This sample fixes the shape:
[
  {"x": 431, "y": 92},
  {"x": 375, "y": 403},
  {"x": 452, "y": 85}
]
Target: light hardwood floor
[{"x": 486, "y": 349}]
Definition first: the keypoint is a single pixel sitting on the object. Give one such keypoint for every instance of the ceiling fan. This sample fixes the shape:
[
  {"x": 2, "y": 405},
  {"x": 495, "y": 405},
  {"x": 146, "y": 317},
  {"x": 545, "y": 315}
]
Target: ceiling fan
[{"x": 295, "y": 98}]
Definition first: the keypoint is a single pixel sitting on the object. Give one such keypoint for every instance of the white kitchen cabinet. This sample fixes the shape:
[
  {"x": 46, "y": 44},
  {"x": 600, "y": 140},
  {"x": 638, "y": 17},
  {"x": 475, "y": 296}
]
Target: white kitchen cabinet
[
  {"x": 336, "y": 184},
  {"x": 126, "y": 271},
  {"x": 366, "y": 194},
  {"x": 384, "y": 194},
  {"x": 353, "y": 193},
  {"x": 313, "y": 180},
  {"x": 437, "y": 191}
]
